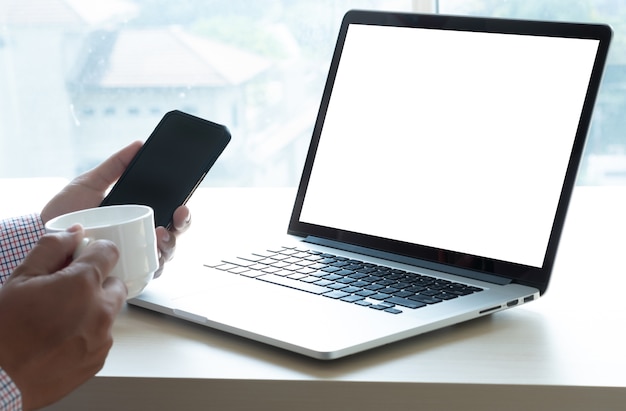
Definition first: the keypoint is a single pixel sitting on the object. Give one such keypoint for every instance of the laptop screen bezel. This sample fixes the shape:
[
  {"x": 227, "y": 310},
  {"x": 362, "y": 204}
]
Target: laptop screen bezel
[{"x": 533, "y": 276}]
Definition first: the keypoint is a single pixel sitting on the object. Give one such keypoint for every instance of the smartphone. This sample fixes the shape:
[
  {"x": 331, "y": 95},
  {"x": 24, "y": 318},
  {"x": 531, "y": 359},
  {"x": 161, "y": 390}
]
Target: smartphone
[{"x": 171, "y": 164}]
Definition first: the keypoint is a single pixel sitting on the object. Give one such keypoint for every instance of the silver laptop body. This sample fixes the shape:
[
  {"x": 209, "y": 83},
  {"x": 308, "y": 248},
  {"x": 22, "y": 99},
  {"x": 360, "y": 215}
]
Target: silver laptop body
[{"x": 434, "y": 191}]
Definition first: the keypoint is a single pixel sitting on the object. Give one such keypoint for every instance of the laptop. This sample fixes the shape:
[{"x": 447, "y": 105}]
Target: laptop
[{"x": 434, "y": 191}]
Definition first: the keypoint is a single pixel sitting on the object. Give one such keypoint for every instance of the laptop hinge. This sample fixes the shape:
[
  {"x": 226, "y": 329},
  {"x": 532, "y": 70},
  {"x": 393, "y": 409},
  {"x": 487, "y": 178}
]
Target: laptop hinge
[{"x": 476, "y": 275}]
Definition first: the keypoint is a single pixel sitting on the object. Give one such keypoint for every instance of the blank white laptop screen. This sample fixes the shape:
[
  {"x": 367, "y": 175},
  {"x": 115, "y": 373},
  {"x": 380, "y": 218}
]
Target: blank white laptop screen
[{"x": 462, "y": 144}]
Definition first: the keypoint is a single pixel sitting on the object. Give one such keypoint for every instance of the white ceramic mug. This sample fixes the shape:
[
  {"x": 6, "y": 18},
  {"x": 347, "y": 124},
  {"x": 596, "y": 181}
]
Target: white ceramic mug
[{"x": 131, "y": 228}]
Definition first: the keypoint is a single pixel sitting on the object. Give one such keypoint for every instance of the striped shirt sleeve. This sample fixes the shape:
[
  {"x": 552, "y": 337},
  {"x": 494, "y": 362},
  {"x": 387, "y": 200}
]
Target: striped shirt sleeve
[
  {"x": 10, "y": 396},
  {"x": 17, "y": 237}
]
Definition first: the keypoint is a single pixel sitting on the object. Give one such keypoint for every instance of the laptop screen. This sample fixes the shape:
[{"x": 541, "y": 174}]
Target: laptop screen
[{"x": 456, "y": 140}]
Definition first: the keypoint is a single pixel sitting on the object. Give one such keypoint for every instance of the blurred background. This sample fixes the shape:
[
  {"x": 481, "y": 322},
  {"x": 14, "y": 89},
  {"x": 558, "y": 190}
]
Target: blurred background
[{"x": 79, "y": 79}]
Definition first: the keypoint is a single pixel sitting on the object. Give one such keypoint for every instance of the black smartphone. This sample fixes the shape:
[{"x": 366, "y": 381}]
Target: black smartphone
[{"x": 171, "y": 164}]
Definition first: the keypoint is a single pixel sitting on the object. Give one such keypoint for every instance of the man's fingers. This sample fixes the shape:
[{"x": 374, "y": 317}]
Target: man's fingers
[
  {"x": 51, "y": 253},
  {"x": 98, "y": 259},
  {"x": 107, "y": 173},
  {"x": 166, "y": 243},
  {"x": 181, "y": 219},
  {"x": 116, "y": 291}
]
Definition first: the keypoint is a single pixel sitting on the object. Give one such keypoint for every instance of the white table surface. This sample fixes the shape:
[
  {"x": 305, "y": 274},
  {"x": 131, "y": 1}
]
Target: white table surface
[{"x": 564, "y": 351}]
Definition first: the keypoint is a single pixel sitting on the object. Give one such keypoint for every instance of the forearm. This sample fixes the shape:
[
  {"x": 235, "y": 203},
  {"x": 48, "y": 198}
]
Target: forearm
[{"x": 17, "y": 238}]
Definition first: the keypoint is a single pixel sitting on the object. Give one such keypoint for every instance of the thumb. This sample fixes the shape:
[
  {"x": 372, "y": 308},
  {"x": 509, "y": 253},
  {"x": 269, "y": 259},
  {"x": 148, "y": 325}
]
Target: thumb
[
  {"x": 105, "y": 174},
  {"x": 51, "y": 253}
]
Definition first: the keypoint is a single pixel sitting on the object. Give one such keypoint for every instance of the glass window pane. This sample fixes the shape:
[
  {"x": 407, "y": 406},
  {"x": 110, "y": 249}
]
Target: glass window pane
[
  {"x": 79, "y": 79},
  {"x": 605, "y": 155}
]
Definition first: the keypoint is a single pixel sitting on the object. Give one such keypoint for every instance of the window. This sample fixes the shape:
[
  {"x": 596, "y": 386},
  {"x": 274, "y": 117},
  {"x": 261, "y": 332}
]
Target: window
[
  {"x": 80, "y": 79},
  {"x": 605, "y": 156}
]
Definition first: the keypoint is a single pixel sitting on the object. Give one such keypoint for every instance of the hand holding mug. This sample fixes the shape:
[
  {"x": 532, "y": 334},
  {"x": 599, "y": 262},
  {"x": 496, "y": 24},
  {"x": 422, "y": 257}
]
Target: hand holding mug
[{"x": 130, "y": 228}]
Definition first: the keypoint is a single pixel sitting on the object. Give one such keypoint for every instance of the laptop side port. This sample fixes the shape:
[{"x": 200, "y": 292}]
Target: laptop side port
[
  {"x": 529, "y": 298},
  {"x": 488, "y": 310},
  {"x": 512, "y": 303}
]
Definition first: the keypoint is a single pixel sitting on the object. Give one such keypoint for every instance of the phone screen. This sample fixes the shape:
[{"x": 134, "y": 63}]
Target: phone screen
[{"x": 170, "y": 165}]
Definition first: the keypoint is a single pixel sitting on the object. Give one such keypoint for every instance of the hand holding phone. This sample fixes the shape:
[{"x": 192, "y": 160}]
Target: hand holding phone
[{"x": 171, "y": 164}]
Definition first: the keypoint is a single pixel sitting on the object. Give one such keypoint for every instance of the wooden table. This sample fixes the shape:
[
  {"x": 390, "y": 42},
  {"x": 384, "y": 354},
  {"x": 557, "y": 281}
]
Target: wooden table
[{"x": 564, "y": 351}]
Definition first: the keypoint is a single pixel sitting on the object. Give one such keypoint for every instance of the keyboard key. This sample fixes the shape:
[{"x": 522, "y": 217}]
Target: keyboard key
[
  {"x": 306, "y": 270},
  {"x": 344, "y": 272},
  {"x": 337, "y": 286},
  {"x": 337, "y": 294},
  {"x": 275, "y": 250},
  {"x": 351, "y": 289},
  {"x": 415, "y": 289},
  {"x": 380, "y": 296},
  {"x": 366, "y": 293},
  {"x": 247, "y": 273},
  {"x": 289, "y": 252},
  {"x": 352, "y": 298},
  {"x": 382, "y": 306},
  {"x": 288, "y": 282},
  {"x": 366, "y": 270},
  {"x": 458, "y": 291},
  {"x": 374, "y": 287},
  {"x": 242, "y": 270},
  {"x": 310, "y": 279},
  {"x": 257, "y": 266},
  {"x": 253, "y": 258},
  {"x": 403, "y": 294},
  {"x": 267, "y": 261},
  {"x": 393, "y": 310},
  {"x": 320, "y": 274},
  {"x": 324, "y": 282},
  {"x": 424, "y": 299},
  {"x": 372, "y": 278},
  {"x": 279, "y": 264},
  {"x": 405, "y": 302},
  {"x": 446, "y": 296},
  {"x": 224, "y": 266},
  {"x": 277, "y": 257}
]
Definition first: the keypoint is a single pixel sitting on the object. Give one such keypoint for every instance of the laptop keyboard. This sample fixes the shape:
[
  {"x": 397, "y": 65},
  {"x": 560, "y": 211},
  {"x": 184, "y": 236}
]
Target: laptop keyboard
[{"x": 353, "y": 281}]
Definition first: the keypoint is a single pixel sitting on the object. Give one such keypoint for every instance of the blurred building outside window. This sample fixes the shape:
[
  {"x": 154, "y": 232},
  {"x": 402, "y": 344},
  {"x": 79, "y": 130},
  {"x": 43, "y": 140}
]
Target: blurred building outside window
[{"x": 79, "y": 79}]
